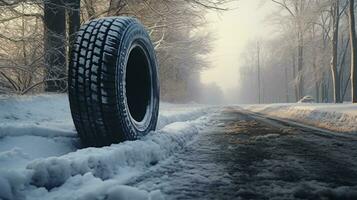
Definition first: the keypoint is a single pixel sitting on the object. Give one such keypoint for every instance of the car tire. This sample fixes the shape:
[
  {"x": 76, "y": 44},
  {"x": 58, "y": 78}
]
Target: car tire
[{"x": 113, "y": 82}]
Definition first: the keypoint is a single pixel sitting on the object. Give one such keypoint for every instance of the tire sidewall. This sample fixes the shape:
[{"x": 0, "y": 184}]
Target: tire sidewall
[{"x": 135, "y": 34}]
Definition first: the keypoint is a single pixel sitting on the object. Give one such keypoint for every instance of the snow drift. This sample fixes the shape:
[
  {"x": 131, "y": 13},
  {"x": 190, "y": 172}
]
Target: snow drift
[{"x": 334, "y": 117}]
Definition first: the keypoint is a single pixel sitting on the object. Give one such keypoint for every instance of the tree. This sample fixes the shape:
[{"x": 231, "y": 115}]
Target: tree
[
  {"x": 335, "y": 15},
  {"x": 353, "y": 44},
  {"x": 55, "y": 37},
  {"x": 74, "y": 19},
  {"x": 258, "y": 66},
  {"x": 21, "y": 51},
  {"x": 55, "y": 50},
  {"x": 299, "y": 15}
]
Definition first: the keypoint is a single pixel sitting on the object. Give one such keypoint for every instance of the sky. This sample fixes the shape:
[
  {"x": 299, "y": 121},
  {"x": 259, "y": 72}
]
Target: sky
[{"x": 233, "y": 29}]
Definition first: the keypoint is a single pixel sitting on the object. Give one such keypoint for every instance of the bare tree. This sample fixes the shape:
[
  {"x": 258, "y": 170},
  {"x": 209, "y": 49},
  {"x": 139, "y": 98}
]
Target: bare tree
[
  {"x": 258, "y": 67},
  {"x": 299, "y": 13},
  {"x": 335, "y": 15},
  {"x": 21, "y": 57},
  {"x": 353, "y": 51},
  {"x": 55, "y": 50}
]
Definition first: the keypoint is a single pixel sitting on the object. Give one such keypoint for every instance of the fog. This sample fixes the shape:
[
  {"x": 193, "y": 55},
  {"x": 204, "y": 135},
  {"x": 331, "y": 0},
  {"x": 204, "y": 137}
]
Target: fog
[
  {"x": 280, "y": 51},
  {"x": 233, "y": 31}
]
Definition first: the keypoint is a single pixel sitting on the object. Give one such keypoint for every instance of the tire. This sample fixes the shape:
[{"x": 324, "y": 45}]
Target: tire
[{"x": 113, "y": 83}]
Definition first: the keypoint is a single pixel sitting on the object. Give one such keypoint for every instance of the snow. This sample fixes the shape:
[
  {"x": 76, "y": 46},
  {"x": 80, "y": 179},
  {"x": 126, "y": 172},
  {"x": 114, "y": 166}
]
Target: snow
[
  {"x": 43, "y": 115},
  {"x": 334, "y": 117},
  {"x": 41, "y": 155},
  {"x": 107, "y": 162},
  {"x": 88, "y": 187}
]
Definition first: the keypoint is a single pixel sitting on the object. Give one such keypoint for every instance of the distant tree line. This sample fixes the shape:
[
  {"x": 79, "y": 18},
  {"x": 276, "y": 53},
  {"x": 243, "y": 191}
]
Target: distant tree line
[{"x": 313, "y": 53}]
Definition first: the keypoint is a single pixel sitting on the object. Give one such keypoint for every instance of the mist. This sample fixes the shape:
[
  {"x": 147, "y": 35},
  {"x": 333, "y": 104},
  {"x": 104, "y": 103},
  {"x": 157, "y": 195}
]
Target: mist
[
  {"x": 272, "y": 52},
  {"x": 246, "y": 51}
]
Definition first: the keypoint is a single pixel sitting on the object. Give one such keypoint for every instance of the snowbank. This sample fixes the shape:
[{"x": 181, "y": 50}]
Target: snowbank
[
  {"x": 40, "y": 155},
  {"x": 109, "y": 161},
  {"x": 103, "y": 168},
  {"x": 334, "y": 117}
]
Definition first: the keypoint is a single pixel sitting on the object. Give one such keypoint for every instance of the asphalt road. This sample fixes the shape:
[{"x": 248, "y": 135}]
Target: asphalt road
[{"x": 242, "y": 156}]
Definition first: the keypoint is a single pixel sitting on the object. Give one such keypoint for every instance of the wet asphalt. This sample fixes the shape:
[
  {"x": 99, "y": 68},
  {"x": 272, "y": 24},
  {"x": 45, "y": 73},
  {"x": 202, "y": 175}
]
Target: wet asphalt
[{"x": 240, "y": 156}]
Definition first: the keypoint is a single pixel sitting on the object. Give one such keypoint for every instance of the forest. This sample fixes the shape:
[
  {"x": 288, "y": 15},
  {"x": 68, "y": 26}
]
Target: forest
[
  {"x": 36, "y": 37},
  {"x": 311, "y": 53}
]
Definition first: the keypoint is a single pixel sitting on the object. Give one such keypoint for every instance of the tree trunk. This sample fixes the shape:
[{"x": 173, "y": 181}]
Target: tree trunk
[
  {"x": 317, "y": 90},
  {"x": 314, "y": 66},
  {"x": 323, "y": 91},
  {"x": 74, "y": 20},
  {"x": 300, "y": 65},
  {"x": 342, "y": 73},
  {"x": 317, "y": 82},
  {"x": 54, "y": 45},
  {"x": 286, "y": 85},
  {"x": 335, "y": 76},
  {"x": 353, "y": 52},
  {"x": 258, "y": 63},
  {"x": 294, "y": 78}
]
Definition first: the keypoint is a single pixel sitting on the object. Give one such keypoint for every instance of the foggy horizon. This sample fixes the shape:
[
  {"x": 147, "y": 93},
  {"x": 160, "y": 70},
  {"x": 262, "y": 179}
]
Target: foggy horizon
[{"x": 233, "y": 30}]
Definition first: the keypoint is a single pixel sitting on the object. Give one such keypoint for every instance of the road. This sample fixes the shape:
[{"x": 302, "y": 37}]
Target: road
[
  {"x": 242, "y": 156},
  {"x": 198, "y": 152}
]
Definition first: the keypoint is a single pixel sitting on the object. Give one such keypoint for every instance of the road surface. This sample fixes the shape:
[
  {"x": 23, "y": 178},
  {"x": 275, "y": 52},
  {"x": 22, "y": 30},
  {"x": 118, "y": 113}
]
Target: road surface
[
  {"x": 197, "y": 152},
  {"x": 244, "y": 156}
]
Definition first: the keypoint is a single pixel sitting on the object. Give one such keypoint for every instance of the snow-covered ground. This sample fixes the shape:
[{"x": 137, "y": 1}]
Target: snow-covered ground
[
  {"x": 334, "y": 117},
  {"x": 41, "y": 155}
]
